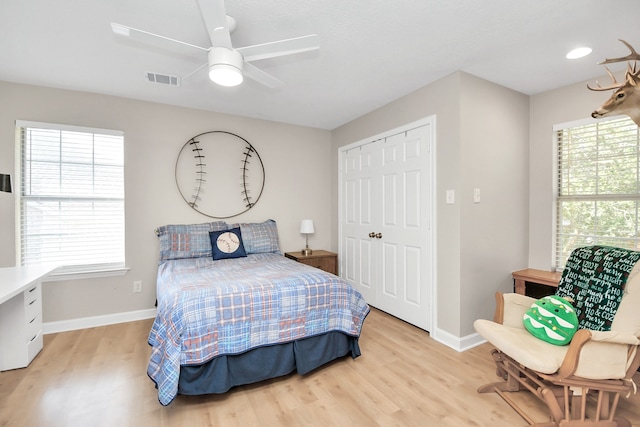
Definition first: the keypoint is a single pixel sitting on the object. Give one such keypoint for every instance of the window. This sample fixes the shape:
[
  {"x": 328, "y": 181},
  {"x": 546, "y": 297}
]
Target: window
[
  {"x": 597, "y": 186},
  {"x": 71, "y": 198}
]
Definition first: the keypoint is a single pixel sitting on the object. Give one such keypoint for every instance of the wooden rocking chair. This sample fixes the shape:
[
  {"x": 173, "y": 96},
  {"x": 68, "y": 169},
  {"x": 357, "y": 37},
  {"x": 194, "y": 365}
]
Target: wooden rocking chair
[{"x": 596, "y": 368}]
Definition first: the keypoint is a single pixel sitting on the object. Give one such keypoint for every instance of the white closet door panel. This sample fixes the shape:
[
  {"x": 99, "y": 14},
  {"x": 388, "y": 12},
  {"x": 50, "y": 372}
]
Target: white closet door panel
[
  {"x": 390, "y": 155},
  {"x": 351, "y": 165},
  {"x": 350, "y": 191},
  {"x": 390, "y": 273},
  {"x": 412, "y": 189},
  {"x": 412, "y": 261},
  {"x": 365, "y": 216},
  {"x": 367, "y": 267},
  {"x": 412, "y": 146},
  {"x": 366, "y": 159},
  {"x": 390, "y": 200},
  {"x": 350, "y": 266}
]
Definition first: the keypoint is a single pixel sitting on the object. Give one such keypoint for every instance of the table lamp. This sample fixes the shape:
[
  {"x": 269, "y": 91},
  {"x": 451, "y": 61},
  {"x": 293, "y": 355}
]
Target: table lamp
[{"x": 306, "y": 228}]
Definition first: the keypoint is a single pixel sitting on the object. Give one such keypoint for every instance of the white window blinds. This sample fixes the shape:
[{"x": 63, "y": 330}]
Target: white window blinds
[
  {"x": 597, "y": 186},
  {"x": 71, "y": 196}
]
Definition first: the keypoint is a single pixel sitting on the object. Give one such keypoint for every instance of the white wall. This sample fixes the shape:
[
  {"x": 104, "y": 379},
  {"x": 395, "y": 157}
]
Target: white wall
[
  {"x": 494, "y": 158},
  {"x": 562, "y": 105},
  {"x": 297, "y": 160},
  {"x": 481, "y": 141}
]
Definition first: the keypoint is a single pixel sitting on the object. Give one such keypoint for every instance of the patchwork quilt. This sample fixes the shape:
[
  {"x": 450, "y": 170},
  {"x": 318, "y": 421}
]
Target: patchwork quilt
[{"x": 209, "y": 308}]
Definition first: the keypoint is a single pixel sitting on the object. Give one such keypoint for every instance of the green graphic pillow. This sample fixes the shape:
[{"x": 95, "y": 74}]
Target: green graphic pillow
[{"x": 551, "y": 319}]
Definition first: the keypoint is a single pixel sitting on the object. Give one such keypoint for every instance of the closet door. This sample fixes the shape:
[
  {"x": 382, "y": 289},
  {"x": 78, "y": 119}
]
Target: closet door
[
  {"x": 361, "y": 215},
  {"x": 385, "y": 223},
  {"x": 404, "y": 288}
]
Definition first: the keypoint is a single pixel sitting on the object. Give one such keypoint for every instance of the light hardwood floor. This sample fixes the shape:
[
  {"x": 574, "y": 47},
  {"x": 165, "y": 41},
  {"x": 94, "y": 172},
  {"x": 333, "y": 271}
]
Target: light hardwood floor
[{"x": 97, "y": 377}]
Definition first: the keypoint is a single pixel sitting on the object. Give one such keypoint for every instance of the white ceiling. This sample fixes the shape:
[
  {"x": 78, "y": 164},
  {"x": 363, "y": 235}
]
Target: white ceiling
[{"x": 371, "y": 51}]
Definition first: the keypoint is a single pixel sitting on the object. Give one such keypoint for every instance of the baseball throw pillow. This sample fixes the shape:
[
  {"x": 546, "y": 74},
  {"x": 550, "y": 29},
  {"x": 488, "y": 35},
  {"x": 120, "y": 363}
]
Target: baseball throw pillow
[{"x": 227, "y": 244}]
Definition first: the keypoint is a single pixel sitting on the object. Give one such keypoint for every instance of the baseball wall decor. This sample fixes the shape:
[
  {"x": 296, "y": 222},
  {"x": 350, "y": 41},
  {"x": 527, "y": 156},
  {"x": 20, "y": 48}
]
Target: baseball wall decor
[{"x": 219, "y": 174}]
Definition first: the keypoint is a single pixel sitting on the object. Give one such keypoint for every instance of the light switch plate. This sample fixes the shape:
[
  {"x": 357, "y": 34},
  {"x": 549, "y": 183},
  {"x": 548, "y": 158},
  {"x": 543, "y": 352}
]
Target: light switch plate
[{"x": 451, "y": 197}]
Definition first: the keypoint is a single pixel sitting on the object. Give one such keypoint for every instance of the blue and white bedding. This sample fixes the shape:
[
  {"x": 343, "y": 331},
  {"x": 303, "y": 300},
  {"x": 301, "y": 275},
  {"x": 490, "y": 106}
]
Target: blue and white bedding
[{"x": 210, "y": 308}]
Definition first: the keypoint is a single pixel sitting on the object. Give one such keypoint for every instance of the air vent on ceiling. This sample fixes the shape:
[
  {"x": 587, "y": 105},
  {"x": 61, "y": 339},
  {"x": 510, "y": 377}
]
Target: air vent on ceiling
[{"x": 163, "y": 79}]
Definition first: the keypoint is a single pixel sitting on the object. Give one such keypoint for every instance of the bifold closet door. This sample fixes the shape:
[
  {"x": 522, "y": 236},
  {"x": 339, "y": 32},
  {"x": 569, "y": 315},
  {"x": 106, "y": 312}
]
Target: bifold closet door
[
  {"x": 360, "y": 204},
  {"x": 385, "y": 235}
]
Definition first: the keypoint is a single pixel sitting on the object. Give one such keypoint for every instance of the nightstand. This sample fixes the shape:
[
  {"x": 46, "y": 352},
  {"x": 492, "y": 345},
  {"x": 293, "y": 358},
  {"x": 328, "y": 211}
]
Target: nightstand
[
  {"x": 543, "y": 282},
  {"x": 324, "y": 260}
]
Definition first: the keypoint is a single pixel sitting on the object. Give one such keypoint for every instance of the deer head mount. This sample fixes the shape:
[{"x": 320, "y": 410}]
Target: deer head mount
[{"x": 626, "y": 98}]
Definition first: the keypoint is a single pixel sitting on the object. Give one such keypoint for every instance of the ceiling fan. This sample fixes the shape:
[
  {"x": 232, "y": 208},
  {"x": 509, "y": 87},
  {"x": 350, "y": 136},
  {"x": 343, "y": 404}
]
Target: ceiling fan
[{"x": 228, "y": 65}]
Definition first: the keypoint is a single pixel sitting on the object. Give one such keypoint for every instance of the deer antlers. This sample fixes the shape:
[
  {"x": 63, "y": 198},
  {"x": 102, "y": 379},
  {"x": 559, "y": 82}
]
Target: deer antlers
[
  {"x": 630, "y": 74},
  {"x": 633, "y": 56}
]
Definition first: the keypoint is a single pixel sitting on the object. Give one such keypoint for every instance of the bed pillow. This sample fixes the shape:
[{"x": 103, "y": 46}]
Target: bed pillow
[
  {"x": 227, "y": 244},
  {"x": 552, "y": 319},
  {"x": 188, "y": 240},
  {"x": 260, "y": 237}
]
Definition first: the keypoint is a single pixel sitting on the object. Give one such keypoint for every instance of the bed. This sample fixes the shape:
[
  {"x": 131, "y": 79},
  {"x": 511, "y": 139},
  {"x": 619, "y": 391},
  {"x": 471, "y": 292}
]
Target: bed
[{"x": 226, "y": 320}]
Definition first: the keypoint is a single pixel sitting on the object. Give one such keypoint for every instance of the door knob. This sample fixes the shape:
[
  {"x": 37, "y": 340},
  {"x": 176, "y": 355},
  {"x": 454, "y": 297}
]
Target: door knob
[
  {"x": 378, "y": 235},
  {"x": 372, "y": 234}
]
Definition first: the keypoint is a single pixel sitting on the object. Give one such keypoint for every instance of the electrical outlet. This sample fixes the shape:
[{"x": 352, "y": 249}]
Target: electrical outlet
[{"x": 137, "y": 286}]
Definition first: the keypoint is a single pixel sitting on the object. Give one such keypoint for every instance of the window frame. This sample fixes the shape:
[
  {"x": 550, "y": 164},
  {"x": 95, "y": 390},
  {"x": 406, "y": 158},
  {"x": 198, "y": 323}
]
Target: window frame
[{"x": 65, "y": 272}]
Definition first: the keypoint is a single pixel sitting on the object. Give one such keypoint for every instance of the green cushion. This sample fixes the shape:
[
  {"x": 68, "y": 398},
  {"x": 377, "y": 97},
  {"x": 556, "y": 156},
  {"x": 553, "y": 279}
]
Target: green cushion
[{"x": 551, "y": 319}]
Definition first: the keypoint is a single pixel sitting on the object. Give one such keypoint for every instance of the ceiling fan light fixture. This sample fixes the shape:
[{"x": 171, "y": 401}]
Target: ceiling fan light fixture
[
  {"x": 225, "y": 66},
  {"x": 225, "y": 75}
]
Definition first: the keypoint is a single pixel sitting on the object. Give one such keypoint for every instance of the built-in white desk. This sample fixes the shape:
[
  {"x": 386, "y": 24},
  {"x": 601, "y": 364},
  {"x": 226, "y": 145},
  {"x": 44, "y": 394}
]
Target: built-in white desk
[{"x": 21, "y": 314}]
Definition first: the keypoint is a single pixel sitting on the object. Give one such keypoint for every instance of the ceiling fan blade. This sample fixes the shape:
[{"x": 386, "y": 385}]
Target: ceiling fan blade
[
  {"x": 260, "y": 76},
  {"x": 197, "y": 70},
  {"x": 279, "y": 48},
  {"x": 151, "y": 38},
  {"x": 215, "y": 19}
]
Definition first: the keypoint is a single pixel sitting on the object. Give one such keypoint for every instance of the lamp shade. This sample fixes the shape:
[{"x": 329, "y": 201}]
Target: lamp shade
[
  {"x": 306, "y": 226},
  {"x": 5, "y": 184}
]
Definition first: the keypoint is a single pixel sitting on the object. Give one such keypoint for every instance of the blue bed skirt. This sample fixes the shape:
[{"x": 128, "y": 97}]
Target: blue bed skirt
[{"x": 303, "y": 356}]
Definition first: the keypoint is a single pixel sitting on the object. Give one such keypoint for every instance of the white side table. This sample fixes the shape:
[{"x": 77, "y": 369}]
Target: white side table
[{"x": 21, "y": 314}]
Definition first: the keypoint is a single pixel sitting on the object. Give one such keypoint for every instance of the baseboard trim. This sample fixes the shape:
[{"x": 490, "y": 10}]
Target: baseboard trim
[
  {"x": 457, "y": 343},
  {"x": 471, "y": 341},
  {"x": 95, "y": 321}
]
